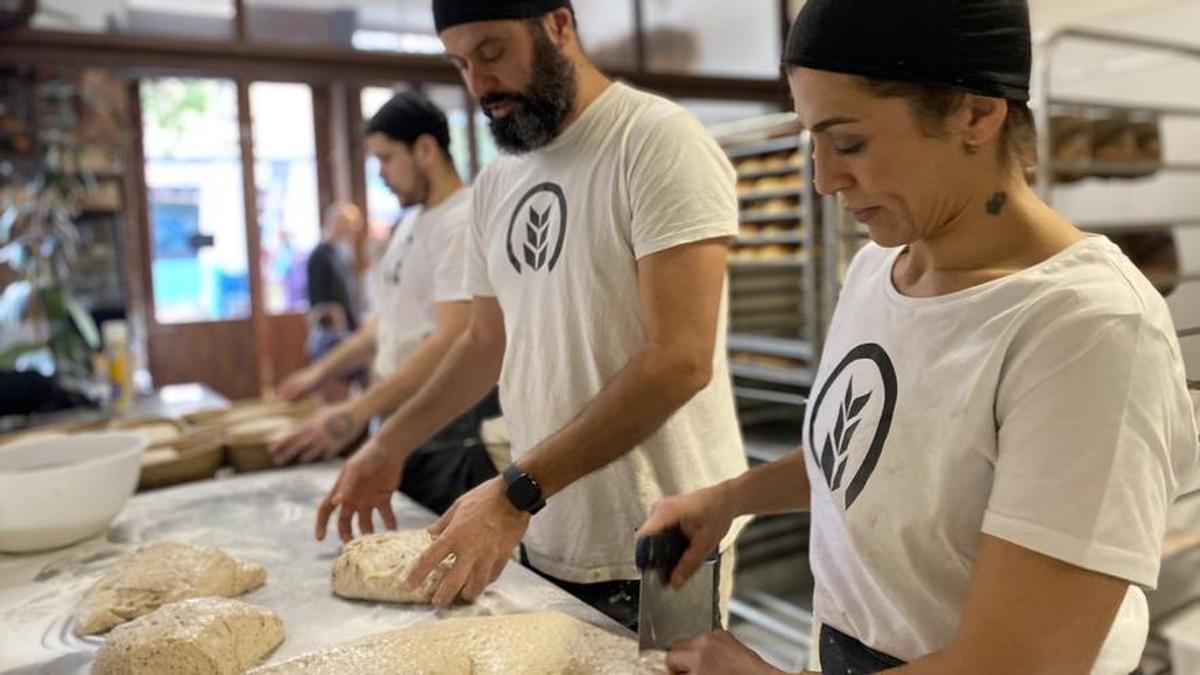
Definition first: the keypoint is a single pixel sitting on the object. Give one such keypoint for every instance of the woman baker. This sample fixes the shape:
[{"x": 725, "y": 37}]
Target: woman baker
[{"x": 1000, "y": 418}]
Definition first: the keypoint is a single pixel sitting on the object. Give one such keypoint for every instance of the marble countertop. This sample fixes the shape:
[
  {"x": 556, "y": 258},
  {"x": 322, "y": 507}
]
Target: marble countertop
[{"x": 265, "y": 518}]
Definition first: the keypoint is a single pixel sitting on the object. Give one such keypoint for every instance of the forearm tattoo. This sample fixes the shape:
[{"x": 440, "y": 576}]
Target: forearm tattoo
[{"x": 340, "y": 425}]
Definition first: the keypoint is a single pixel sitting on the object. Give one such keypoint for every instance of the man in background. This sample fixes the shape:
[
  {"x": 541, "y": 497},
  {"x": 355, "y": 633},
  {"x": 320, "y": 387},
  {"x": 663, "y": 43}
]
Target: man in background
[
  {"x": 333, "y": 296},
  {"x": 422, "y": 307}
]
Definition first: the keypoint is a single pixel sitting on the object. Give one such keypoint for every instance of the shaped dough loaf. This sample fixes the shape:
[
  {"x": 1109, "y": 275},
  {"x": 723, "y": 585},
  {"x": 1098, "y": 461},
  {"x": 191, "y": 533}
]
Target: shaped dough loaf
[{"x": 142, "y": 581}]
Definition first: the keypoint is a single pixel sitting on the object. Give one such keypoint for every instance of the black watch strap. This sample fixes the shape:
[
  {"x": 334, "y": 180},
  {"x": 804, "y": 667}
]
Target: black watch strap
[{"x": 522, "y": 490}]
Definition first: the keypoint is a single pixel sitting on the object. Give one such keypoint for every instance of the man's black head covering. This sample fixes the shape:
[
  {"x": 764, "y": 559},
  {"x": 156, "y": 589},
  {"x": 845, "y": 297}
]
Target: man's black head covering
[
  {"x": 449, "y": 13},
  {"x": 409, "y": 115},
  {"x": 977, "y": 46}
]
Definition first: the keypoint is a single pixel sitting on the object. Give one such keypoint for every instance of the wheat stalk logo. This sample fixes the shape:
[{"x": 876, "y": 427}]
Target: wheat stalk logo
[
  {"x": 545, "y": 230},
  {"x": 837, "y": 443},
  {"x": 537, "y": 237}
]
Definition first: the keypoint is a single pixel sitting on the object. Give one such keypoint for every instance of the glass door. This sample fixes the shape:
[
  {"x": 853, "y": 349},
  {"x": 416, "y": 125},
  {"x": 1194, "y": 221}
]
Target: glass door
[
  {"x": 288, "y": 214},
  {"x": 193, "y": 169},
  {"x": 201, "y": 302}
]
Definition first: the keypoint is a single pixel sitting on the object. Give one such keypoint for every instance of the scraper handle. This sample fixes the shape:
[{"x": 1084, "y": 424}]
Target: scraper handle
[{"x": 661, "y": 551}]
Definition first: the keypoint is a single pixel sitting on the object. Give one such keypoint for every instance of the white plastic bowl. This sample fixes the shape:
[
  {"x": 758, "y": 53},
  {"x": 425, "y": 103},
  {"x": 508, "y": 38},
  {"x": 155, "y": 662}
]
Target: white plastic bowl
[{"x": 58, "y": 491}]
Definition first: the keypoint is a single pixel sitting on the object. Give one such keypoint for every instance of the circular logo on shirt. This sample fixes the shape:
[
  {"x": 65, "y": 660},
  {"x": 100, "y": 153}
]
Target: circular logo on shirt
[
  {"x": 393, "y": 270},
  {"x": 538, "y": 229},
  {"x": 851, "y": 418}
]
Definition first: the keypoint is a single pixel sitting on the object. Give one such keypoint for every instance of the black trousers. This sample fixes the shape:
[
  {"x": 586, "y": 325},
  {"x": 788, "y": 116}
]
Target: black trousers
[
  {"x": 844, "y": 655},
  {"x": 618, "y": 600},
  {"x": 451, "y": 463}
]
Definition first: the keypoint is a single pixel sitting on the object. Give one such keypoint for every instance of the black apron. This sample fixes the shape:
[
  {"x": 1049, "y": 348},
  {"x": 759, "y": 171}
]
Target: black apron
[{"x": 451, "y": 463}]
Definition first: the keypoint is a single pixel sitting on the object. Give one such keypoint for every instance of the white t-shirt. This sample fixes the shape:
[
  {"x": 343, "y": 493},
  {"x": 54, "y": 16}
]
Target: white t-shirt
[
  {"x": 556, "y": 238},
  {"x": 424, "y": 265},
  {"x": 1047, "y": 408}
]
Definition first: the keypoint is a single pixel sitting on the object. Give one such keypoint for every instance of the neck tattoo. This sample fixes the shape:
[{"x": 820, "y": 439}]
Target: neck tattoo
[{"x": 996, "y": 204}]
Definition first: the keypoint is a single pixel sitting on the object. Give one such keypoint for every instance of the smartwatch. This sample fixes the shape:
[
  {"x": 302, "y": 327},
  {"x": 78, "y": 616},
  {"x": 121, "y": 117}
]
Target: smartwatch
[{"x": 523, "y": 492}]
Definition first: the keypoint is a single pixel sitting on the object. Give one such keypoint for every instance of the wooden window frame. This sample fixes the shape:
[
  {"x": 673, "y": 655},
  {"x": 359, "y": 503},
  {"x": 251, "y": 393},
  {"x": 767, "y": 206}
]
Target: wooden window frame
[{"x": 336, "y": 77}]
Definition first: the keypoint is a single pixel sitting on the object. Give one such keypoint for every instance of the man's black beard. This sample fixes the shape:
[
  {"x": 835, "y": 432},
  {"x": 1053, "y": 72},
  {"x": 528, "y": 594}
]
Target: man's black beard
[
  {"x": 420, "y": 192},
  {"x": 539, "y": 111}
]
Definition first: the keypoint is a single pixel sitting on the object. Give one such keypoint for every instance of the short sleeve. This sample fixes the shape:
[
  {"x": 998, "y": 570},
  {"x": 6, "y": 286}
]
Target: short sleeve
[
  {"x": 1094, "y": 424},
  {"x": 476, "y": 273},
  {"x": 681, "y": 186},
  {"x": 450, "y": 256}
]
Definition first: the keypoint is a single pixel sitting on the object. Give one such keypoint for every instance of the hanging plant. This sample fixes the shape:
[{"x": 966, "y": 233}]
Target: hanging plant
[{"x": 39, "y": 242}]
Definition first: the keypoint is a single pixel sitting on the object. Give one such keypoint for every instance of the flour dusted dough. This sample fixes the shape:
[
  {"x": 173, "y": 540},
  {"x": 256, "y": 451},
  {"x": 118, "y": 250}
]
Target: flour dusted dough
[
  {"x": 152, "y": 576},
  {"x": 213, "y": 636},
  {"x": 374, "y": 567},
  {"x": 545, "y": 643}
]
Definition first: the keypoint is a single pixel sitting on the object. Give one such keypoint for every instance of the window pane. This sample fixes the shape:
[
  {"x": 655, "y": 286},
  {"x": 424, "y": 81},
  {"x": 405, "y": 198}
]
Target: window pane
[
  {"x": 372, "y": 25},
  {"x": 210, "y": 19},
  {"x": 285, "y": 172},
  {"x": 607, "y": 33},
  {"x": 194, "y": 194},
  {"x": 713, "y": 37}
]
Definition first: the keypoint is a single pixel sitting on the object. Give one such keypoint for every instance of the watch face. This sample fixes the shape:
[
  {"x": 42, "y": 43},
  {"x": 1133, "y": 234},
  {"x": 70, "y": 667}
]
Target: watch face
[{"x": 523, "y": 493}]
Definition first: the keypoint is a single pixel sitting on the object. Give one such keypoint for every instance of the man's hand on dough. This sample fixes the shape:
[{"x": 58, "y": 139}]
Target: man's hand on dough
[
  {"x": 480, "y": 530},
  {"x": 365, "y": 485}
]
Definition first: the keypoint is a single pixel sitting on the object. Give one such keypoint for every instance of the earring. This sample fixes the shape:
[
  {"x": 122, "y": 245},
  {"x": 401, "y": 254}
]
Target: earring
[{"x": 971, "y": 146}]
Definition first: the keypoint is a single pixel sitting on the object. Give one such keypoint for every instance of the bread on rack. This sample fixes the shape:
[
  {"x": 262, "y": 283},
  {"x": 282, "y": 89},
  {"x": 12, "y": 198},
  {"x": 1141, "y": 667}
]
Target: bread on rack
[
  {"x": 1130, "y": 141},
  {"x": 750, "y": 165},
  {"x": 770, "y": 183},
  {"x": 1148, "y": 132},
  {"x": 773, "y": 252},
  {"x": 1154, "y": 252},
  {"x": 1072, "y": 143},
  {"x": 775, "y": 162},
  {"x": 1113, "y": 140},
  {"x": 778, "y": 205}
]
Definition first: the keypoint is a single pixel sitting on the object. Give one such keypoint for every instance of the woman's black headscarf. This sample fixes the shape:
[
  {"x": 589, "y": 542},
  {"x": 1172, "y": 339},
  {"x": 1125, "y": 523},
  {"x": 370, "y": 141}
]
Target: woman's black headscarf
[{"x": 978, "y": 46}]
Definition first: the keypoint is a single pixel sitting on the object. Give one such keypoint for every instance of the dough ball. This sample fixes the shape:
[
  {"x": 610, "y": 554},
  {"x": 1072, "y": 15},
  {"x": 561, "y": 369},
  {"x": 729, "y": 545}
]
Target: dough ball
[
  {"x": 374, "y": 567},
  {"x": 214, "y": 636},
  {"x": 142, "y": 581}
]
